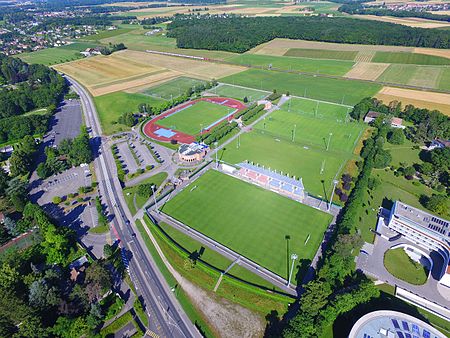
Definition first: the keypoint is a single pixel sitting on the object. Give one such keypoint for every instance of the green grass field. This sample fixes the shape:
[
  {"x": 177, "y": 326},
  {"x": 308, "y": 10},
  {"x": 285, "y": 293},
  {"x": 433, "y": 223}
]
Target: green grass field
[
  {"x": 330, "y": 67},
  {"x": 312, "y": 164},
  {"x": 239, "y": 93},
  {"x": 107, "y": 34},
  {"x": 52, "y": 56},
  {"x": 312, "y": 132},
  {"x": 172, "y": 88},
  {"x": 245, "y": 218},
  {"x": 111, "y": 106},
  {"x": 130, "y": 193},
  {"x": 320, "y": 88},
  {"x": 434, "y": 77},
  {"x": 410, "y": 58},
  {"x": 192, "y": 119},
  {"x": 398, "y": 263},
  {"x": 322, "y": 54}
]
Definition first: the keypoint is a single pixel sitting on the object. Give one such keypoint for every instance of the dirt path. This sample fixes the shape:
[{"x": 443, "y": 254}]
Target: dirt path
[{"x": 226, "y": 318}]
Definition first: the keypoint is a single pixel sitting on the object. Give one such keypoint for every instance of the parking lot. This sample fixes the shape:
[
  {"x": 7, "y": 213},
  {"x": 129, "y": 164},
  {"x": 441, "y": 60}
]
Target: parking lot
[{"x": 65, "y": 123}]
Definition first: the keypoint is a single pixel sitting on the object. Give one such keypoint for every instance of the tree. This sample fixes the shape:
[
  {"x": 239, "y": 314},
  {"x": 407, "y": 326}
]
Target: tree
[
  {"x": 108, "y": 250},
  {"x": 396, "y": 136},
  {"x": 145, "y": 190},
  {"x": 437, "y": 204},
  {"x": 382, "y": 159}
]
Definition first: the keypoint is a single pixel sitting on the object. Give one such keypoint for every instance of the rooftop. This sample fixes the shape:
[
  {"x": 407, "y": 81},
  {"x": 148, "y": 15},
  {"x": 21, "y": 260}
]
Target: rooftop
[{"x": 430, "y": 222}]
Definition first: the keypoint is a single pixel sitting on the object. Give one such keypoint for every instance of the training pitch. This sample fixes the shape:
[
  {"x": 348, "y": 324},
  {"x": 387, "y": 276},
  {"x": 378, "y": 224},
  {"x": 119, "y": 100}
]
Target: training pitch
[
  {"x": 192, "y": 119},
  {"x": 247, "y": 219}
]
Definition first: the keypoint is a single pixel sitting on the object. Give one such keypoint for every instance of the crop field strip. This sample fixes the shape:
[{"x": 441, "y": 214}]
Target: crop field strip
[
  {"x": 433, "y": 77},
  {"x": 330, "y": 67},
  {"x": 322, "y": 54},
  {"x": 246, "y": 219},
  {"x": 348, "y": 92},
  {"x": 192, "y": 119}
]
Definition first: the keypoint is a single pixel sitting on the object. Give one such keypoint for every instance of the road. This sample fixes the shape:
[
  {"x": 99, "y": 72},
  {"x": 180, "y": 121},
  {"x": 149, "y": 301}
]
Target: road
[{"x": 167, "y": 319}]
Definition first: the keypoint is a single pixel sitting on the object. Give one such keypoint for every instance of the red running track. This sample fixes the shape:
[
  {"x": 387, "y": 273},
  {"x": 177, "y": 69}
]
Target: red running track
[{"x": 151, "y": 126}]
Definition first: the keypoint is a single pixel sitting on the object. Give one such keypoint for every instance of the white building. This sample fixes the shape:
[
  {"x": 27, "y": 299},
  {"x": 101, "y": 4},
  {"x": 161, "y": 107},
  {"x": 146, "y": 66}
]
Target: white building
[{"x": 426, "y": 230}]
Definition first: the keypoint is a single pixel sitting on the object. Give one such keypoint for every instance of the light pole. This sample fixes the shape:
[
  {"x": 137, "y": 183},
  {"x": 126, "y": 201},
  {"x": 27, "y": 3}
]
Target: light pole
[
  {"x": 217, "y": 162},
  {"x": 329, "y": 139},
  {"x": 293, "y": 257},
  {"x": 293, "y": 134},
  {"x": 335, "y": 182},
  {"x": 154, "y": 197}
]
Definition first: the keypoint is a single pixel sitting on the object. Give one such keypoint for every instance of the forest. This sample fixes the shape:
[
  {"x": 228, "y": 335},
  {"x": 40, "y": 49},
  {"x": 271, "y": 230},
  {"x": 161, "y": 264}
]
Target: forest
[
  {"x": 23, "y": 88},
  {"x": 353, "y": 8},
  {"x": 239, "y": 34}
]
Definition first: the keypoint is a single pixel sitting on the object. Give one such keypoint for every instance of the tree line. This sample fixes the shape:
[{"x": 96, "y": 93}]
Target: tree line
[
  {"x": 239, "y": 34},
  {"x": 356, "y": 8}
]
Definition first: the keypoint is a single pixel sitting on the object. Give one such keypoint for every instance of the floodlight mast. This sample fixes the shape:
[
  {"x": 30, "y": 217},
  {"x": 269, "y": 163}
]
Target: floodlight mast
[
  {"x": 335, "y": 182},
  {"x": 154, "y": 197},
  {"x": 293, "y": 257}
]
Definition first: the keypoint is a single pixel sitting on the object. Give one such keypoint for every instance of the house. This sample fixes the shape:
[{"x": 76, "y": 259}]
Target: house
[
  {"x": 438, "y": 143},
  {"x": 396, "y": 122}
]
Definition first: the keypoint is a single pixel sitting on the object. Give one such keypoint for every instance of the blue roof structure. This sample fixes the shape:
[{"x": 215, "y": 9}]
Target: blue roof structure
[{"x": 287, "y": 183}]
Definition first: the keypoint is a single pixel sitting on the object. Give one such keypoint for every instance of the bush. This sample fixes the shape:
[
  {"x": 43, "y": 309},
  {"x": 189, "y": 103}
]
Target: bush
[{"x": 56, "y": 200}]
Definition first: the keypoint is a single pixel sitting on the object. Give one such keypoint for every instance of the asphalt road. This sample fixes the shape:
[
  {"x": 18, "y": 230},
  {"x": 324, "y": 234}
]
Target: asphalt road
[{"x": 167, "y": 319}]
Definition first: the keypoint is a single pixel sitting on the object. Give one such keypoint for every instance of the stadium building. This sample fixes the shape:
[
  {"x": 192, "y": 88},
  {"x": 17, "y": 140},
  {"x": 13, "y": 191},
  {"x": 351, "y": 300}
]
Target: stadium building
[
  {"x": 194, "y": 152},
  {"x": 272, "y": 180},
  {"x": 424, "y": 229},
  {"x": 392, "y": 324}
]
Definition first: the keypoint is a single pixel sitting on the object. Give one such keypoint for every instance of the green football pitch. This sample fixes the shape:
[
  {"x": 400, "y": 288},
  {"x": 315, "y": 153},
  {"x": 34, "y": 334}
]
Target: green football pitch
[
  {"x": 314, "y": 124},
  {"x": 247, "y": 219},
  {"x": 196, "y": 117},
  {"x": 172, "y": 88}
]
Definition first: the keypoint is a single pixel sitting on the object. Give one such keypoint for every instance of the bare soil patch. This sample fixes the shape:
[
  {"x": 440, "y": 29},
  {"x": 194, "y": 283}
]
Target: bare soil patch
[
  {"x": 367, "y": 70},
  {"x": 422, "y": 99},
  {"x": 281, "y": 46}
]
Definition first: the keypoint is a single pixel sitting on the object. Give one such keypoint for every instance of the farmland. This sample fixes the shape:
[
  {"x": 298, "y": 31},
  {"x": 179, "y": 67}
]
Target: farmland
[
  {"x": 190, "y": 120},
  {"x": 111, "y": 106},
  {"x": 322, "y": 54},
  {"x": 320, "y": 88},
  {"x": 421, "y": 76},
  {"x": 410, "y": 58},
  {"x": 331, "y": 67},
  {"x": 219, "y": 207},
  {"x": 51, "y": 56}
]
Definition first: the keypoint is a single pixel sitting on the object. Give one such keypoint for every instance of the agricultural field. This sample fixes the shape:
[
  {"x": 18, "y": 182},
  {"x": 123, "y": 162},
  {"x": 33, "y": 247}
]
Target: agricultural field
[
  {"x": 52, "y": 56},
  {"x": 410, "y": 58},
  {"x": 421, "y": 99},
  {"x": 107, "y": 34},
  {"x": 192, "y": 119},
  {"x": 172, "y": 88},
  {"x": 302, "y": 124},
  {"x": 322, "y": 54},
  {"x": 341, "y": 91},
  {"x": 433, "y": 77},
  {"x": 330, "y": 67},
  {"x": 111, "y": 106},
  {"x": 219, "y": 208},
  {"x": 238, "y": 93}
]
